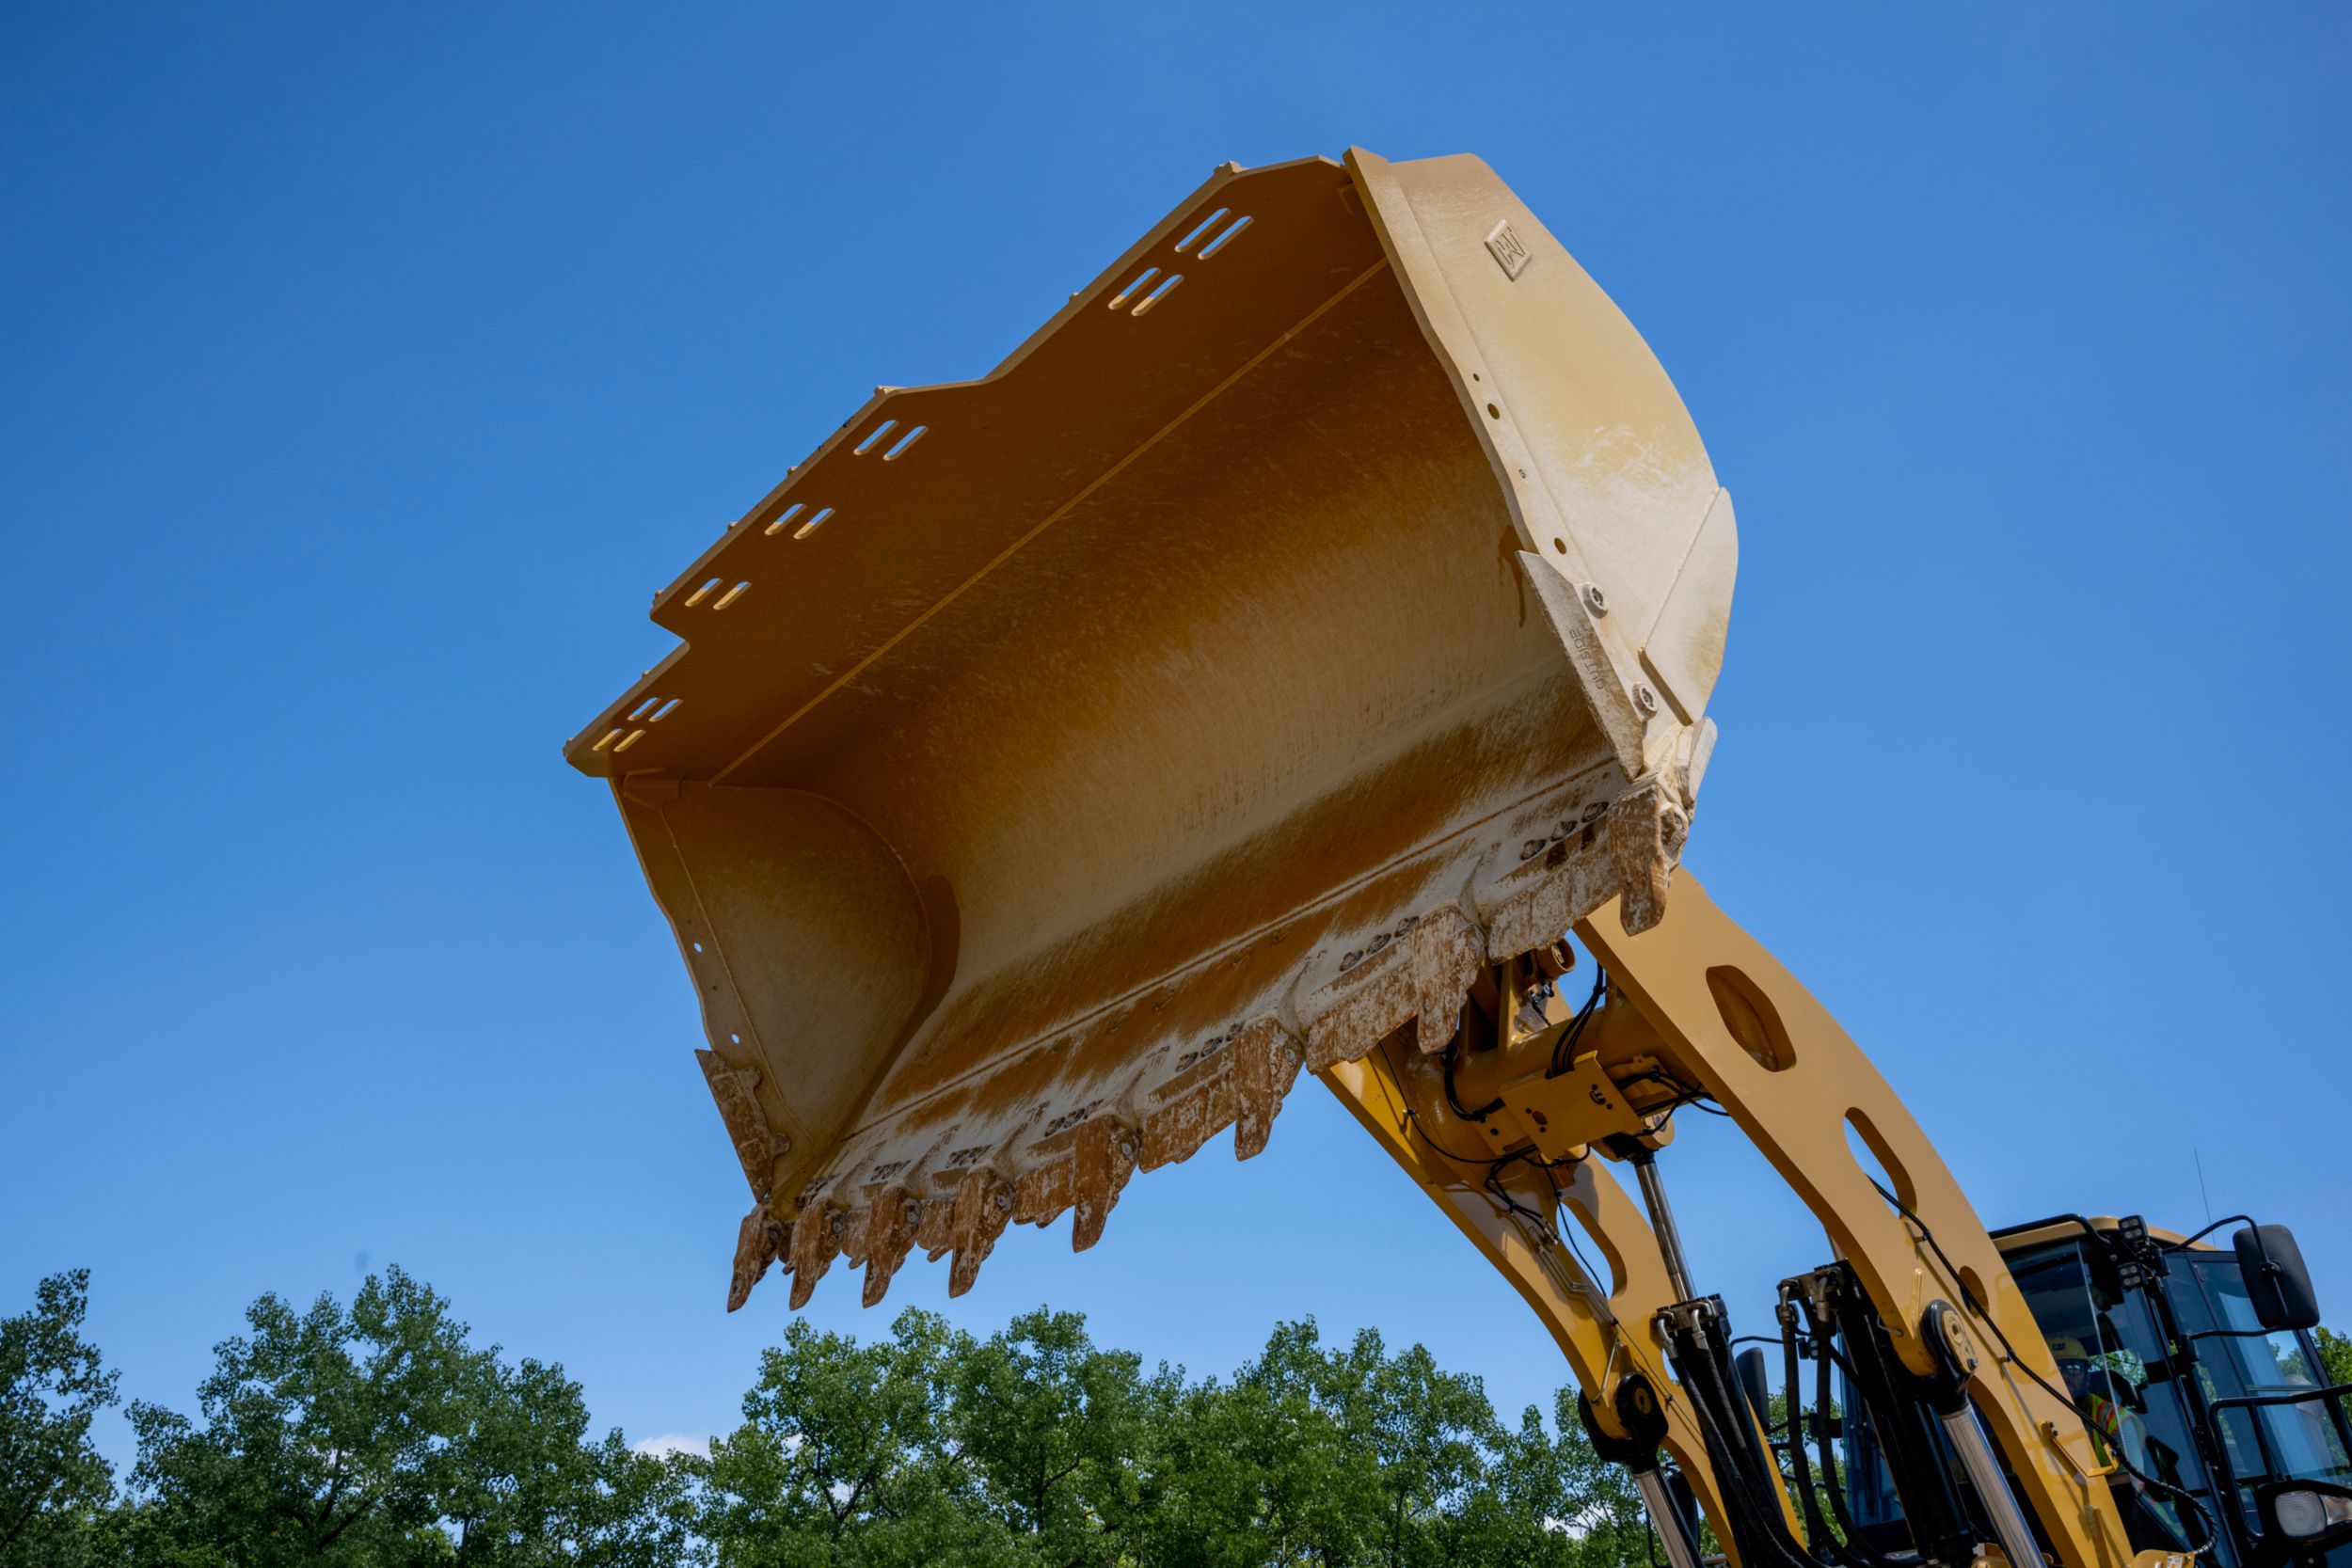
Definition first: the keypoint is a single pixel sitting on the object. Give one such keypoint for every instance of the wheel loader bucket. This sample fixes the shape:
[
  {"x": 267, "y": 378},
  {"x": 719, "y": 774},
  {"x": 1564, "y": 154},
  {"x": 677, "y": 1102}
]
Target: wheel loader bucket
[{"x": 1320, "y": 607}]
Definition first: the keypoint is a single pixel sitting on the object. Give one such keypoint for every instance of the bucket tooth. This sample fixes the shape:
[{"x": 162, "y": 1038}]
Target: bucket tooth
[
  {"x": 1265, "y": 1062},
  {"x": 1102, "y": 1159},
  {"x": 983, "y": 1207},
  {"x": 935, "y": 1232},
  {"x": 817, "y": 1233},
  {"x": 1645, "y": 837},
  {"x": 760, "y": 1241},
  {"x": 891, "y": 1222}
]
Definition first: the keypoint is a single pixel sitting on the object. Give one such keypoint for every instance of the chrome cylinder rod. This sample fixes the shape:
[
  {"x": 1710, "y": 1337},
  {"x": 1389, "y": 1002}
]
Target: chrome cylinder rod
[
  {"x": 1668, "y": 1519},
  {"x": 1661, "y": 1220},
  {"x": 1975, "y": 1456}
]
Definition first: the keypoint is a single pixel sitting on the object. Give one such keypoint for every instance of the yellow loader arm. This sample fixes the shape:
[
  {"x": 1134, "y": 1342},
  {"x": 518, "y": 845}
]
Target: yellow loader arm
[{"x": 1527, "y": 1121}]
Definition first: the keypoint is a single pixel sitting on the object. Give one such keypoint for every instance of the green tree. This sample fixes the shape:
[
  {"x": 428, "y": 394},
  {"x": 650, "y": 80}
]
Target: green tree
[
  {"x": 523, "y": 1483},
  {"x": 376, "y": 1435},
  {"x": 55, "y": 1487},
  {"x": 843, "y": 1458},
  {"x": 1427, "y": 1432},
  {"x": 1549, "y": 1501},
  {"x": 326, "y": 1435},
  {"x": 1256, "y": 1472},
  {"x": 2335, "y": 1358},
  {"x": 1315, "y": 1456},
  {"x": 1055, "y": 1428},
  {"x": 640, "y": 1513}
]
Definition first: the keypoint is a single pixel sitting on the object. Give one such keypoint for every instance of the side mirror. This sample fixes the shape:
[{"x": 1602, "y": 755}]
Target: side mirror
[{"x": 2277, "y": 1283}]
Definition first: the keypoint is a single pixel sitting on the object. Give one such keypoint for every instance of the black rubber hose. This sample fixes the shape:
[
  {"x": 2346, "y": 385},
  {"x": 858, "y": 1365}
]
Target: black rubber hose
[
  {"x": 1757, "y": 1515},
  {"x": 1816, "y": 1525},
  {"x": 1823, "y": 1405},
  {"x": 1575, "y": 1031}
]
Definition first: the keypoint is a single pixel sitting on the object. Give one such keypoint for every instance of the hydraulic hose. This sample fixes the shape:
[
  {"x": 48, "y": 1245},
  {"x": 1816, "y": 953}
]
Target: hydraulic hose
[
  {"x": 1851, "y": 1545},
  {"x": 1817, "y": 1528},
  {"x": 1763, "y": 1534},
  {"x": 1830, "y": 1484}
]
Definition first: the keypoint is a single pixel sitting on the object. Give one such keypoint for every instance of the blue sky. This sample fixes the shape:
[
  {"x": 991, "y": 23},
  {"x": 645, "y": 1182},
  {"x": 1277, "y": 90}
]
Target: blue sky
[{"x": 365, "y": 369}]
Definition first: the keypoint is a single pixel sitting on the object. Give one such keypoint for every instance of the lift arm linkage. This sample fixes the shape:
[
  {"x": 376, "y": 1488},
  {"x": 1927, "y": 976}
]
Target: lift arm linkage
[
  {"x": 1712, "y": 1012},
  {"x": 1601, "y": 1322}
]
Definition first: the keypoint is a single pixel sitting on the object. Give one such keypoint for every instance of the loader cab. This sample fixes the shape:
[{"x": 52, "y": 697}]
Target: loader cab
[
  {"x": 2196, "y": 1368},
  {"x": 2279, "y": 1432}
]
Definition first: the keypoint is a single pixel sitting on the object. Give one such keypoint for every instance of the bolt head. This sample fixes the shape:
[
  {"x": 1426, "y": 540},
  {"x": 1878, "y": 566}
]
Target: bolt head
[
  {"x": 1594, "y": 600},
  {"x": 1645, "y": 699}
]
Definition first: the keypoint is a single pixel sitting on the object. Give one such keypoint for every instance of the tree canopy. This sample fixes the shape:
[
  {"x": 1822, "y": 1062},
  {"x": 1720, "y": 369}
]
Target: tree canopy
[
  {"x": 377, "y": 1432},
  {"x": 55, "y": 1486}
]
